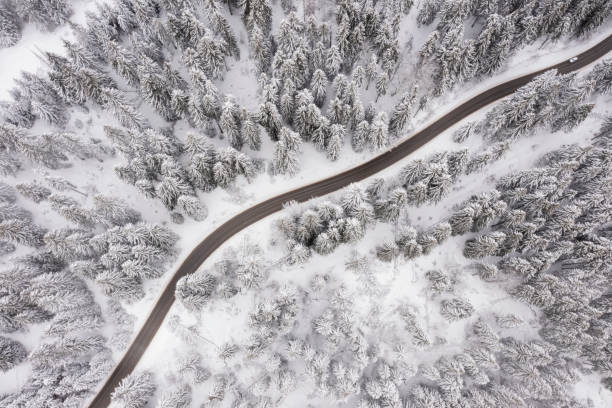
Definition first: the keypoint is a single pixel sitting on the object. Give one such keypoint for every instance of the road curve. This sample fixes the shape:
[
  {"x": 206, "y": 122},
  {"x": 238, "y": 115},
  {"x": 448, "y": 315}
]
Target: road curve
[{"x": 317, "y": 189}]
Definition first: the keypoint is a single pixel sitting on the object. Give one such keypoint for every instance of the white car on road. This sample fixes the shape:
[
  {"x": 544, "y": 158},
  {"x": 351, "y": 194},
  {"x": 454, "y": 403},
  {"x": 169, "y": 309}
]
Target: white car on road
[{"x": 573, "y": 59}]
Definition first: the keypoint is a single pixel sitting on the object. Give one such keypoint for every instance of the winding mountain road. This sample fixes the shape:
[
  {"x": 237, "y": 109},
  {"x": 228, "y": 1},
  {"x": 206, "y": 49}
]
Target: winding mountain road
[{"x": 250, "y": 216}]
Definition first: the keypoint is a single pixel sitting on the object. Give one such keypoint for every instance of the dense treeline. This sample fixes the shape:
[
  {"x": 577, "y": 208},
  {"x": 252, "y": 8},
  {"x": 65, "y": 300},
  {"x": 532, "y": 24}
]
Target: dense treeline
[
  {"x": 106, "y": 244},
  {"x": 313, "y": 76}
]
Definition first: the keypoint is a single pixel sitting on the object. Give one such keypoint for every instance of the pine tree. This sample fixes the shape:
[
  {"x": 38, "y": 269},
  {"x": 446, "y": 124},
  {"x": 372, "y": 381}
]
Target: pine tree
[
  {"x": 222, "y": 174},
  {"x": 335, "y": 141},
  {"x": 382, "y": 83},
  {"x": 286, "y": 150},
  {"x": 42, "y": 98},
  {"x": 387, "y": 251},
  {"x": 260, "y": 49},
  {"x": 114, "y": 210},
  {"x": 333, "y": 61},
  {"x": 250, "y": 130},
  {"x": 12, "y": 352},
  {"x": 120, "y": 286},
  {"x": 270, "y": 119},
  {"x": 378, "y": 137},
  {"x": 320, "y": 136},
  {"x": 484, "y": 245},
  {"x": 602, "y": 75},
  {"x": 258, "y": 13},
  {"x": 10, "y": 25},
  {"x": 402, "y": 112},
  {"x": 318, "y": 86},
  {"x": 125, "y": 113},
  {"x": 135, "y": 390},
  {"x": 192, "y": 207},
  {"x": 212, "y": 56},
  {"x": 221, "y": 27},
  {"x": 122, "y": 61},
  {"x": 456, "y": 309},
  {"x": 428, "y": 11},
  {"x": 360, "y": 136},
  {"x": 157, "y": 92},
  {"x": 45, "y": 13},
  {"x": 195, "y": 290},
  {"x": 230, "y": 123},
  {"x": 439, "y": 184},
  {"x": 464, "y": 132},
  {"x": 21, "y": 231},
  {"x": 177, "y": 397}
]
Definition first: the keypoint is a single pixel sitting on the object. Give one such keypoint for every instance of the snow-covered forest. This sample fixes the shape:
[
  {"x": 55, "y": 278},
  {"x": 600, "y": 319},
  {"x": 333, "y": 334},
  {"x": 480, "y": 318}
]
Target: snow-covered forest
[{"x": 475, "y": 272}]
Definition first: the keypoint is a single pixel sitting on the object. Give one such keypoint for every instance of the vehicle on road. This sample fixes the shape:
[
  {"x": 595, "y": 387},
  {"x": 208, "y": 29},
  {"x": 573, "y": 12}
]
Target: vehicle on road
[{"x": 573, "y": 59}]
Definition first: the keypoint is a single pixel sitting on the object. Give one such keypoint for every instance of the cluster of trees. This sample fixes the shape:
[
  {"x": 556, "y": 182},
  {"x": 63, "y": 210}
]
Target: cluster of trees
[
  {"x": 119, "y": 259},
  {"x": 553, "y": 236},
  {"x": 331, "y": 343},
  {"x": 497, "y": 372},
  {"x": 34, "y": 97},
  {"x": 243, "y": 268},
  {"x": 325, "y": 225},
  {"x": 154, "y": 167},
  {"x": 46, "y": 14},
  {"x": 557, "y": 101},
  {"x": 51, "y": 150},
  {"x": 64, "y": 372},
  {"x": 410, "y": 244},
  {"x": 40, "y": 288},
  {"x": 500, "y": 28},
  {"x": 550, "y": 100},
  {"x": 16, "y": 224},
  {"x": 296, "y": 64},
  {"x": 345, "y": 217},
  {"x": 296, "y": 77},
  {"x": 106, "y": 243}
]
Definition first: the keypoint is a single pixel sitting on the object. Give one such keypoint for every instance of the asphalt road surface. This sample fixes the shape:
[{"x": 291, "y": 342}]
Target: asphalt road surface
[{"x": 320, "y": 188}]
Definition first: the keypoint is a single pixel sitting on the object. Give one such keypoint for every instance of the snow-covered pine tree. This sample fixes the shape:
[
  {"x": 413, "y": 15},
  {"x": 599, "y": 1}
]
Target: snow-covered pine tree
[
  {"x": 258, "y": 13},
  {"x": 12, "y": 352},
  {"x": 177, "y": 397},
  {"x": 45, "y": 13},
  {"x": 428, "y": 10},
  {"x": 135, "y": 390},
  {"x": 212, "y": 55},
  {"x": 286, "y": 160},
  {"x": 10, "y": 25},
  {"x": 333, "y": 61},
  {"x": 229, "y": 123},
  {"x": 125, "y": 112},
  {"x": 378, "y": 136},
  {"x": 114, "y": 210},
  {"x": 335, "y": 141},
  {"x": 602, "y": 75},
  {"x": 250, "y": 130},
  {"x": 464, "y": 132},
  {"x": 318, "y": 86},
  {"x": 195, "y": 290},
  {"x": 260, "y": 49},
  {"x": 402, "y": 112},
  {"x": 382, "y": 84}
]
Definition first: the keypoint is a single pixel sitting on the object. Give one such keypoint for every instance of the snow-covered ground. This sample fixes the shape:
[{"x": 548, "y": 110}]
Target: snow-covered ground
[{"x": 223, "y": 204}]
